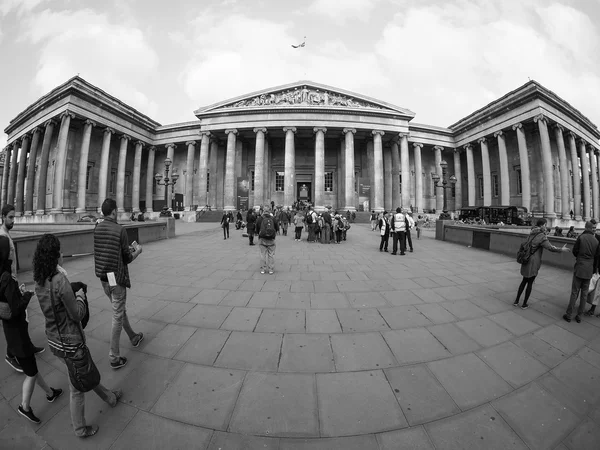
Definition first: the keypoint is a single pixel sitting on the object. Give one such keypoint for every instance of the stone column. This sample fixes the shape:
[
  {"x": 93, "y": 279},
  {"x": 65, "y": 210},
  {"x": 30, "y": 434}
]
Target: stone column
[
  {"x": 564, "y": 172},
  {"x": 405, "y": 170},
  {"x": 396, "y": 194},
  {"x": 546, "y": 166},
  {"x": 189, "y": 178},
  {"x": 439, "y": 194},
  {"x": 137, "y": 173},
  {"x": 212, "y": 163},
  {"x": 60, "y": 163},
  {"x": 12, "y": 177},
  {"x": 585, "y": 180},
  {"x": 150, "y": 179},
  {"x": 387, "y": 171},
  {"x": 171, "y": 155},
  {"x": 471, "y": 182},
  {"x": 487, "y": 172},
  {"x": 503, "y": 161},
  {"x": 458, "y": 185},
  {"x": 576, "y": 176},
  {"x": 121, "y": 173},
  {"x": 83, "y": 161},
  {"x": 349, "y": 169},
  {"x": 418, "y": 178},
  {"x": 378, "y": 170},
  {"x": 19, "y": 204},
  {"x": 340, "y": 198},
  {"x": 203, "y": 170},
  {"x": 5, "y": 172},
  {"x": 31, "y": 172},
  {"x": 319, "y": 167},
  {"x": 230, "y": 170},
  {"x": 524, "y": 161},
  {"x": 259, "y": 165},
  {"x": 43, "y": 167},
  {"x": 594, "y": 176},
  {"x": 104, "y": 158},
  {"x": 289, "y": 167}
]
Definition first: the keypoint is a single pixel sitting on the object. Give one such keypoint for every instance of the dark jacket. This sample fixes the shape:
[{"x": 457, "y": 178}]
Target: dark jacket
[
  {"x": 259, "y": 223},
  {"x": 327, "y": 217},
  {"x": 111, "y": 251},
  {"x": 15, "y": 330},
  {"x": 250, "y": 222},
  {"x": 586, "y": 252},
  {"x": 539, "y": 243}
]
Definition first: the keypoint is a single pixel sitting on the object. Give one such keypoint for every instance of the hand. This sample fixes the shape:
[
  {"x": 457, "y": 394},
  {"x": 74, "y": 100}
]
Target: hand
[{"x": 565, "y": 249}]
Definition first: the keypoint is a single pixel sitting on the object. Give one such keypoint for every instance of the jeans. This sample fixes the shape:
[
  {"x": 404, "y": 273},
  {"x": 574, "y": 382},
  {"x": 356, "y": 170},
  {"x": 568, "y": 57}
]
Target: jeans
[
  {"x": 298, "y": 232},
  {"x": 311, "y": 232},
  {"x": 251, "y": 237},
  {"x": 284, "y": 226},
  {"x": 409, "y": 239},
  {"x": 118, "y": 297},
  {"x": 399, "y": 236},
  {"x": 326, "y": 235},
  {"x": 267, "y": 253},
  {"x": 578, "y": 285},
  {"x": 385, "y": 239},
  {"x": 338, "y": 236},
  {"x": 373, "y": 225},
  {"x": 225, "y": 231}
]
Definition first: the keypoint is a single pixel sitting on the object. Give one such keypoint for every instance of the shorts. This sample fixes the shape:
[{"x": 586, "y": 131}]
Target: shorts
[{"x": 28, "y": 365}]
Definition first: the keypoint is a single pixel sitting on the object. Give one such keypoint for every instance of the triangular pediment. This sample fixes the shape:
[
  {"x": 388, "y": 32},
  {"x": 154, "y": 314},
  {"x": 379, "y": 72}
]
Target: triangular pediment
[{"x": 303, "y": 94}]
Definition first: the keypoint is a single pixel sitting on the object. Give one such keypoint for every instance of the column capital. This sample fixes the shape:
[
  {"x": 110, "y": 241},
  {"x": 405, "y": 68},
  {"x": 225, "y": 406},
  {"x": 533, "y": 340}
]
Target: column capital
[
  {"x": 292, "y": 129},
  {"x": 90, "y": 122},
  {"x": 596, "y": 151},
  {"x": 438, "y": 147},
  {"x": 539, "y": 117},
  {"x": 582, "y": 142},
  {"x": 559, "y": 127},
  {"x": 482, "y": 140},
  {"x": 499, "y": 133},
  {"x": 167, "y": 146},
  {"x": 377, "y": 132},
  {"x": 109, "y": 130},
  {"x": 140, "y": 143},
  {"x": 456, "y": 150},
  {"x": 417, "y": 145},
  {"x": 190, "y": 143},
  {"x": 49, "y": 122},
  {"x": 264, "y": 130},
  {"x": 349, "y": 130},
  {"x": 571, "y": 134},
  {"x": 468, "y": 146},
  {"x": 35, "y": 130},
  {"x": 152, "y": 148},
  {"x": 232, "y": 130},
  {"x": 317, "y": 129},
  {"x": 125, "y": 136},
  {"x": 16, "y": 143},
  {"x": 403, "y": 135},
  {"x": 205, "y": 133},
  {"x": 517, "y": 126},
  {"x": 67, "y": 113}
]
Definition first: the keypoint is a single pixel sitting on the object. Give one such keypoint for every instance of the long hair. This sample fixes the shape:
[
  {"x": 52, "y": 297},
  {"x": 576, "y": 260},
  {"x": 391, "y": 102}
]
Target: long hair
[{"x": 45, "y": 258}]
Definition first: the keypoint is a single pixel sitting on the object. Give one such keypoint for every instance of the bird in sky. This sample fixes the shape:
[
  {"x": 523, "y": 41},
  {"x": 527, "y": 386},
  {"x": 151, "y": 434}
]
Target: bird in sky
[{"x": 300, "y": 45}]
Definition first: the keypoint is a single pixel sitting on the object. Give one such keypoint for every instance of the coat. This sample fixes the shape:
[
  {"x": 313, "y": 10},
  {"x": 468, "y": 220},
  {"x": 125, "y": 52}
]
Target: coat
[
  {"x": 540, "y": 242},
  {"x": 586, "y": 252}
]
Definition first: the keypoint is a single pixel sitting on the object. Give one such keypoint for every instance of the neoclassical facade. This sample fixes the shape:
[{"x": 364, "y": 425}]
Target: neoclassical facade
[{"x": 77, "y": 145}]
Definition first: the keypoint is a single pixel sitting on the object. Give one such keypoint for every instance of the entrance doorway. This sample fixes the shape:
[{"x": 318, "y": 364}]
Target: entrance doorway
[{"x": 304, "y": 189}]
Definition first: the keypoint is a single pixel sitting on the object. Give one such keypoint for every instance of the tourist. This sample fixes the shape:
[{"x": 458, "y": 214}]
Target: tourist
[
  {"x": 339, "y": 228},
  {"x": 373, "y": 220},
  {"x": 16, "y": 334},
  {"x": 225, "y": 224},
  {"x": 411, "y": 224},
  {"x": 587, "y": 251},
  {"x": 346, "y": 227},
  {"x": 384, "y": 228},
  {"x": 558, "y": 231},
  {"x": 571, "y": 233},
  {"x": 311, "y": 221},
  {"x": 8, "y": 222},
  {"x": 529, "y": 270},
  {"x": 419, "y": 226},
  {"x": 298, "y": 226},
  {"x": 238, "y": 220},
  {"x": 319, "y": 227},
  {"x": 326, "y": 233},
  {"x": 112, "y": 254},
  {"x": 251, "y": 225},
  {"x": 70, "y": 308},
  {"x": 285, "y": 221},
  {"x": 266, "y": 228},
  {"x": 398, "y": 227}
]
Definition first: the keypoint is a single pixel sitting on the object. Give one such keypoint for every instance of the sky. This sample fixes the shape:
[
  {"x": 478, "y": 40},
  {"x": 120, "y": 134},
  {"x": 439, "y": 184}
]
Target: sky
[{"x": 442, "y": 59}]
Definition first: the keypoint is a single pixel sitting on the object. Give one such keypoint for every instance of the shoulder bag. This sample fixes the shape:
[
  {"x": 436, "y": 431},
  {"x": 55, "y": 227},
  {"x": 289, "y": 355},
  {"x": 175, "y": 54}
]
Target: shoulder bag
[{"x": 83, "y": 373}]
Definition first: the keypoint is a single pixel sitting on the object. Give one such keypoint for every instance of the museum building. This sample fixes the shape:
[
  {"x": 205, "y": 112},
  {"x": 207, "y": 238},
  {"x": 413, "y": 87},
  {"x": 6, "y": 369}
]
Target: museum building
[{"x": 306, "y": 141}]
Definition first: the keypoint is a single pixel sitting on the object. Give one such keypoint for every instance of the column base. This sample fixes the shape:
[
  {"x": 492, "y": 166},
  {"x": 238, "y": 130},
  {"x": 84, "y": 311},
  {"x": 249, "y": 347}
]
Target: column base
[
  {"x": 578, "y": 218},
  {"x": 28, "y": 213},
  {"x": 350, "y": 208},
  {"x": 148, "y": 210},
  {"x": 378, "y": 210},
  {"x": 232, "y": 208},
  {"x": 136, "y": 210},
  {"x": 40, "y": 212},
  {"x": 121, "y": 210},
  {"x": 54, "y": 211},
  {"x": 550, "y": 215},
  {"x": 80, "y": 210}
]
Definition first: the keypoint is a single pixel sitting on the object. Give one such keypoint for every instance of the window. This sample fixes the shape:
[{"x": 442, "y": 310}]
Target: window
[
  {"x": 252, "y": 180},
  {"x": 495, "y": 184},
  {"x": 88, "y": 175},
  {"x": 279, "y": 180},
  {"x": 207, "y": 181},
  {"x": 480, "y": 180},
  {"x": 113, "y": 178},
  {"x": 328, "y": 181},
  {"x": 519, "y": 185}
]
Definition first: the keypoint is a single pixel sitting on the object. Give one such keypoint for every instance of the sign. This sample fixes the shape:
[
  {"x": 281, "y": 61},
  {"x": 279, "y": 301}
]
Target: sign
[
  {"x": 364, "y": 191},
  {"x": 243, "y": 188}
]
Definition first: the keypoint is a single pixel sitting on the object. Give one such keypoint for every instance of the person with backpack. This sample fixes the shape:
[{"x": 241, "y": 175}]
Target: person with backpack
[
  {"x": 532, "y": 261},
  {"x": 311, "y": 222},
  {"x": 298, "y": 226},
  {"x": 339, "y": 228},
  {"x": 266, "y": 228},
  {"x": 251, "y": 225},
  {"x": 225, "y": 224}
]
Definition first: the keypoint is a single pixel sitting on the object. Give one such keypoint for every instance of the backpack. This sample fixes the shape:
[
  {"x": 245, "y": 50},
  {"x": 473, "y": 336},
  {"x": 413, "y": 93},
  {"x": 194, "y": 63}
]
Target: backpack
[
  {"x": 267, "y": 228},
  {"x": 309, "y": 218},
  {"x": 524, "y": 253}
]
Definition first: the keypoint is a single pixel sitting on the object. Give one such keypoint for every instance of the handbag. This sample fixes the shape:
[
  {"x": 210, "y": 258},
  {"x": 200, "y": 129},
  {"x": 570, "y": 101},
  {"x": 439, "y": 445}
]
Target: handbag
[{"x": 83, "y": 373}]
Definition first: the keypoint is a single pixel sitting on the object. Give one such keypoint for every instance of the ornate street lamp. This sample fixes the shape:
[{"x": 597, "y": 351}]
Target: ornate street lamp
[
  {"x": 443, "y": 185},
  {"x": 167, "y": 181}
]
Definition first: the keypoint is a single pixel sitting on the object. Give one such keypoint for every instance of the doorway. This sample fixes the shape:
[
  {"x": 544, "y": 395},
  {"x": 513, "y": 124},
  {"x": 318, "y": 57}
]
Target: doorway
[{"x": 304, "y": 189}]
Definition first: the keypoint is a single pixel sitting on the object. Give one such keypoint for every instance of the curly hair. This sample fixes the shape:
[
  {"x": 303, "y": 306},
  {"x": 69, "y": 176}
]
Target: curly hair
[{"x": 45, "y": 258}]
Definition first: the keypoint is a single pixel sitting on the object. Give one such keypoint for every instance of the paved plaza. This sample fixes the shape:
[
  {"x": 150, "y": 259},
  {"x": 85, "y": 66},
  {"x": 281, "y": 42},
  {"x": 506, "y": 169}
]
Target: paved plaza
[{"x": 343, "y": 348}]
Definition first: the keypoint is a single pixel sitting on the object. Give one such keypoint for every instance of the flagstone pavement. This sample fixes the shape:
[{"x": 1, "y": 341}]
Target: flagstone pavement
[{"x": 344, "y": 347}]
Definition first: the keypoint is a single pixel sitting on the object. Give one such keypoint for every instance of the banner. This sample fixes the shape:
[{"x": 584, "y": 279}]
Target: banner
[
  {"x": 364, "y": 191},
  {"x": 243, "y": 189}
]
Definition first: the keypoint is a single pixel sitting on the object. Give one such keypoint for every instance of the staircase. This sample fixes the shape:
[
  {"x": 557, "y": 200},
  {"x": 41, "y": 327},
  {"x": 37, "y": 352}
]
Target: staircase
[{"x": 209, "y": 216}]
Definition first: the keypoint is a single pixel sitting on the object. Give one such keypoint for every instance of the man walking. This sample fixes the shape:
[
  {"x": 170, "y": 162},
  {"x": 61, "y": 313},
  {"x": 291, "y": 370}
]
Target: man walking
[
  {"x": 326, "y": 235},
  {"x": 267, "y": 228},
  {"x": 398, "y": 227},
  {"x": 373, "y": 220},
  {"x": 586, "y": 250},
  {"x": 8, "y": 222},
  {"x": 384, "y": 228},
  {"x": 411, "y": 225},
  {"x": 311, "y": 221},
  {"x": 251, "y": 225},
  {"x": 112, "y": 254}
]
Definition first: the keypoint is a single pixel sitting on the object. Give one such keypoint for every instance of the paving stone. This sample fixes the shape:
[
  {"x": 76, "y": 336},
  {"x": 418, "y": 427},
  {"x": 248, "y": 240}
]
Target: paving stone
[
  {"x": 202, "y": 396},
  {"x": 205, "y": 316},
  {"x": 264, "y": 403},
  {"x": 327, "y": 285},
  {"x": 322, "y": 321},
  {"x": 140, "y": 307},
  {"x": 589, "y": 355},
  {"x": 149, "y": 290},
  {"x": 539, "y": 419},
  {"x": 585, "y": 437},
  {"x": 230, "y": 284},
  {"x": 421, "y": 396},
  {"x": 151, "y": 432},
  {"x": 490, "y": 304},
  {"x": 264, "y": 300},
  {"x": 426, "y": 282},
  {"x": 210, "y": 296},
  {"x": 365, "y": 442},
  {"x": 353, "y": 286},
  {"x": 584, "y": 330},
  {"x": 328, "y": 301},
  {"x": 414, "y": 345},
  {"x": 178, "y": 293},
  {"x": 481, "y": 428},
  {"x": 19, "y": 436},
  {"x": 251, "y": 351},
  {"x": 451, "y": 292},
  {"x": 463, "y": 309},
  {"x": 293, "y": 300},
  {"x": 172, "y": 312},
  {"x": 513, "y": 363},
  {"x": 484, "y": 331},
  {"x": 401, "y": 298},
  {"x": 366, "y": 299},
  {"x": 276, "y": 286},
  {"x": 580, "y": 375},
  {"x": 453, "y": 338},
  {"x": 361, "y": 351},
  {"x": 514, "y": 323},
  {"x": 413, "y": 438},
  {"x": 575, "y": 400},
  {"x": 203, "y": 346},
  {"x": 562, "y": 339},
  {"x": 469, "y": 380},
  {"x": 436, "y": 313},
  {"x": 281, "y": 321},
  {"x": 400, "y": 317},
  {"x": 357, "y": 320},
  {"x": 168, "y": 341},
  {"x": 306, "y": 353},
  {"x": 541, "y": 350},
  {"x": 242, "y": 319},
  {"x": 236, "y": 298},
  {"x": 357, "y": 403},
  {"x": 234, "y": 441},
  {"x": 428, "y": 295},
  {"x": 251, "y": 285}
]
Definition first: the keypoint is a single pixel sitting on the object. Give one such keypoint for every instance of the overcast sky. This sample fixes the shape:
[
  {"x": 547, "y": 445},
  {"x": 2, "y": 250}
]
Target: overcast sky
[{"x": 442, "y": 59}]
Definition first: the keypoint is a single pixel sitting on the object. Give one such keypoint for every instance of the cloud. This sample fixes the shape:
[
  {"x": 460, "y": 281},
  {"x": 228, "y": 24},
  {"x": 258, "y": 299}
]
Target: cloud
[
  {"x": 20, "y": 7},
  {"x": 112, "y": 56},
  {"x": 341, "y": 12}
]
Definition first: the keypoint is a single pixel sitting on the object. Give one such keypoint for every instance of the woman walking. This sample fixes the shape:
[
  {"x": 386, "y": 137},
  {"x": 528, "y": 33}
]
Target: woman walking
[
  {"x": 17, "y": 335},
  {"x": 298, "y": 225},
  {"x": 225, "y": 224},
  {"x": 63, "y": 311},
  {"x": 529, "y": 270}
]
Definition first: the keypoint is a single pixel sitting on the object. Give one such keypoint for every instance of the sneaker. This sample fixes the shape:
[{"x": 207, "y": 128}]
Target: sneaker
[
  {"x": 29, "y": 414},
  {"x": 119, "y": 363},
  {"x": 567, "y": 318},
  {"x": 577, "y": 319},
  {"x": 55, "y": 394},
  {"x": 524, "y": 306},
  {"x": 89, "y": 431},
  {"x": 38, "y": 350},
  {"x": 262, "y": 271},
  {"x": 140, "y": 338},
  {"x": 118, "y": 394},
  {"x": 12, "y": 362},
  {"x": 516, "y": 304},
  {"x": 270, "y": 272}
]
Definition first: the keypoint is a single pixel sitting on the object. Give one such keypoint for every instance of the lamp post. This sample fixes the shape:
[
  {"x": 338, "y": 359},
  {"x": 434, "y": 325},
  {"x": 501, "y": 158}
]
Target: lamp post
[
  {"x": 443, "y": 184},
  {"x": 166, "y": 182}
]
